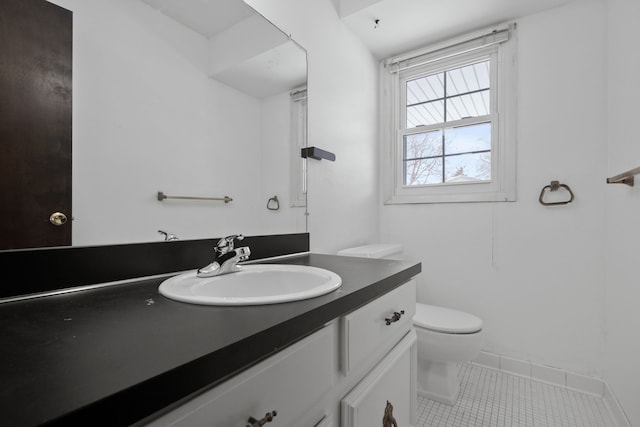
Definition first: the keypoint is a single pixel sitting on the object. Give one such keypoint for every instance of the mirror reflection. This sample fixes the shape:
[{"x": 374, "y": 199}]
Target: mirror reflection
[{"x": 199, "y": 98}]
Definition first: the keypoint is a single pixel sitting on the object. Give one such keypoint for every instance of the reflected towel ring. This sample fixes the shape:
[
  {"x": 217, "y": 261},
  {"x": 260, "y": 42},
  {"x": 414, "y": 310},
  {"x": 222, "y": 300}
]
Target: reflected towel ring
[
  {"x": 273, "y": 204},
  {"x": 555, "y": 186}
]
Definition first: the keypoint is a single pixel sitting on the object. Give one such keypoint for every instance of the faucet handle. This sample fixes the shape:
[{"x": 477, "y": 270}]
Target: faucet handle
[
  {"x": 168, "y": 236},
  {"x": 226, "y": 243}
]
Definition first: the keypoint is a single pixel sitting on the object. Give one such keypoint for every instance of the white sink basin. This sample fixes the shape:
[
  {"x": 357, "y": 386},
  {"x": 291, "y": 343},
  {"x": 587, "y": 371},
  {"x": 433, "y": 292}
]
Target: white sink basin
[{"x": 255, "y": 284}]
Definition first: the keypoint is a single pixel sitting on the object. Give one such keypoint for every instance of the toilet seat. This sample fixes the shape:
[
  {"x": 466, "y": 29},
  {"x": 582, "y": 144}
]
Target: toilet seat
[{"x": 446, "y": 320}]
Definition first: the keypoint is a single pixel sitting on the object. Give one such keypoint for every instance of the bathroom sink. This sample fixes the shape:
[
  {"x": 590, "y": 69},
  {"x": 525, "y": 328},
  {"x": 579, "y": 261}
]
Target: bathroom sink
[{"x": 254, "y": 284}]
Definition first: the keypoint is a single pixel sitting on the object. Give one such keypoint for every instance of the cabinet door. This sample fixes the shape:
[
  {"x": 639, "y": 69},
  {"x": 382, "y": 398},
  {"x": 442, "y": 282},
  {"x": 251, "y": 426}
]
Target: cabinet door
[{"x": 387, "y": 392}]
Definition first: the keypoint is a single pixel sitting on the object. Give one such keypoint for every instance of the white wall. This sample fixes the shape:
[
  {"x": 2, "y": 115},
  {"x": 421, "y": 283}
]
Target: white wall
[
  {"x": 146, "y": 119},
  {"x": 622, "y": 284},
  {"x": 276, "y": 174},
  {"x": 342, "y": 91},
  {"x": 532, "y": 273}
]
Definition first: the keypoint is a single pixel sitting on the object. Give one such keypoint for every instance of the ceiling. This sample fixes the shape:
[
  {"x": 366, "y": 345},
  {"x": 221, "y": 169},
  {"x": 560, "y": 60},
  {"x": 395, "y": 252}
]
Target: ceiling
[
  {"x": 405, "y": 25},
  {"x": 207, "y": 17},
  {"x": 260, "y": 60}
]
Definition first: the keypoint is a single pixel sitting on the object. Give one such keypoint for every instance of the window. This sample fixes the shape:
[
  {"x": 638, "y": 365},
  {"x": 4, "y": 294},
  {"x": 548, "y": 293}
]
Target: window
[
  {"x": 452, "y": 133},
  {"x": 298, "y": 141}
]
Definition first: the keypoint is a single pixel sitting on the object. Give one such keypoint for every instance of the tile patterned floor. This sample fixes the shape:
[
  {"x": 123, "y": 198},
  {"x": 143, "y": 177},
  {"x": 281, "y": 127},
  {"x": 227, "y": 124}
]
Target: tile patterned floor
[{"x": 490, "y": 398}]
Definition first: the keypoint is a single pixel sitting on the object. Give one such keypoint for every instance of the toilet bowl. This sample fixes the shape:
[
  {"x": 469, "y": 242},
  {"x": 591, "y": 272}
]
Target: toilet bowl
[{"x": 446, "y": 337}]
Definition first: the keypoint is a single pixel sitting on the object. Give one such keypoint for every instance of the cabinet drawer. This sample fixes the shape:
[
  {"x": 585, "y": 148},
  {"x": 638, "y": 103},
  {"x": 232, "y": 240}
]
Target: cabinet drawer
[
  {"x": 391, "y": 384},
  {"x": 289, "y": 383},
  {"x": 365, "y": 332}
]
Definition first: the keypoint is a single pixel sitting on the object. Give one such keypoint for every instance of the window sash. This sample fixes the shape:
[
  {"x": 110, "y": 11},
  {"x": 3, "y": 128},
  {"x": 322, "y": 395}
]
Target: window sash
[
  {"x": 486, "y": 53},
  {"x": 402, "y": 159}
]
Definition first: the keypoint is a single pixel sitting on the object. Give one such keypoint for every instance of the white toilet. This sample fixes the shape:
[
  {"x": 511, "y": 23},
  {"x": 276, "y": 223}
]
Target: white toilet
[{"x": 446, "y": 337}]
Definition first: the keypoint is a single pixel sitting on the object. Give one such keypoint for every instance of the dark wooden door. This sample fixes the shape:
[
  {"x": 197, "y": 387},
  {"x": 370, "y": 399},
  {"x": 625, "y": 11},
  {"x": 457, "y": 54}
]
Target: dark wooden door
[{"x": 35, "y": 123}]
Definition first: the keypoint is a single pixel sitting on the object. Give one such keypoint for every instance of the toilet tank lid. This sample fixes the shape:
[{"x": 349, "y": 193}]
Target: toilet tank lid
[
  {"x": 441, "y": 319},
  {"x": 378, "y": 250}
]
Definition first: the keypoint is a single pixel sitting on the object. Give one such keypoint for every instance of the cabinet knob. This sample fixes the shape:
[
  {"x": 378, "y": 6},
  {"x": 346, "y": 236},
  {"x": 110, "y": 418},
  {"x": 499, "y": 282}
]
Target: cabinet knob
[
  {"x": 396, "y": 316},
  {"x": 388, "y": 420},
  {"x": 252, "y": 422}
]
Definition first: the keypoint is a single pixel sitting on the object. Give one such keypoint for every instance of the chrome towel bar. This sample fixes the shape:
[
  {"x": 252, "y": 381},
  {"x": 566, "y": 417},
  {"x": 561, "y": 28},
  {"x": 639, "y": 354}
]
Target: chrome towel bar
[
  {"x": 162, "y": 196},
  {"x": 624, "y": 177}
]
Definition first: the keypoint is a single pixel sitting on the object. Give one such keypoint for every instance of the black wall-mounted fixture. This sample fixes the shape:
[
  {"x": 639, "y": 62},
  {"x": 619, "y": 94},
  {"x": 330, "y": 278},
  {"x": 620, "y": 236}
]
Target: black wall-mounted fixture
[{"x": 316, "y": 153}]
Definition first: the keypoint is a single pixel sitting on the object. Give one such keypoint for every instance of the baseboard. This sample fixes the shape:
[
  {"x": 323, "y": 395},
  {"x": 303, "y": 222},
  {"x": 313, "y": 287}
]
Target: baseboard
[{"x": 558, "y": 377}]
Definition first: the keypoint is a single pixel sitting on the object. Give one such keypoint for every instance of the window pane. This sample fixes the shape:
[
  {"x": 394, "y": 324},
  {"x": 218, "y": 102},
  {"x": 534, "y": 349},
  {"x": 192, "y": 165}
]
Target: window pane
[
  {"x": 465, "y": 90},
  {"x": 467, "y": 79},
  {"x": 471, "y": 105},
  {"x": 466, "y": 139},
  {"x": 423, "y": 158},
  {"x": 425, "y": 89},
  {"x": 468, "y": 167},
  {"x": 421, "y": 172},
  {"x": 420, "y": 145},
  {"x": 425, "y": 114}
]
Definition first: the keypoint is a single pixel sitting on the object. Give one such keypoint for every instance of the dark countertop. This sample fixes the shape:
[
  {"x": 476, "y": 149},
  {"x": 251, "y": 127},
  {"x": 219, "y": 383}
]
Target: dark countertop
[{"x": 115, "y": 355}]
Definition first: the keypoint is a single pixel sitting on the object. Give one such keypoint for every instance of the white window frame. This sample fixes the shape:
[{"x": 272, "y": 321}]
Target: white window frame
[
  {"x": 298, "y": 168},
  {"x": 497, "y": 44}
]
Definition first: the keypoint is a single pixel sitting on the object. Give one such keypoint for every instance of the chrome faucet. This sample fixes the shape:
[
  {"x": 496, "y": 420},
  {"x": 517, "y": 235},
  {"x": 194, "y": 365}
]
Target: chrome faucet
[
  {"x": 167, "y": 236},
  {"x": 226, "y": 257}
]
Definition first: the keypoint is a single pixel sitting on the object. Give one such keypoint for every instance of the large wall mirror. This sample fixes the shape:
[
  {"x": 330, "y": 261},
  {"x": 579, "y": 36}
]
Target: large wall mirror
[{"x": 191, "y": 98}]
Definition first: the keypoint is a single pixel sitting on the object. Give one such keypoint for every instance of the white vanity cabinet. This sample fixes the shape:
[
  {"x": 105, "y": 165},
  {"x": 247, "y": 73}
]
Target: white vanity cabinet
[
  {"x": 289, "y": 383},
  {"x": 380, "y": 337},
  {"x": 342, "y": 375}
]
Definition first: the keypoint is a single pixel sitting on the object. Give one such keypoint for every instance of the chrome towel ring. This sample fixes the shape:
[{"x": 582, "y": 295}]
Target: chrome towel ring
[{"x": 555, "y": 186}]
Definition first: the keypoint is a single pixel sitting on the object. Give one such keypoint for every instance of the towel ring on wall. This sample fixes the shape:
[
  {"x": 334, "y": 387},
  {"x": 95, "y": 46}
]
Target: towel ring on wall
[
  {"x": 273, "y": 204},
  {"x": 555, "y": 186}
]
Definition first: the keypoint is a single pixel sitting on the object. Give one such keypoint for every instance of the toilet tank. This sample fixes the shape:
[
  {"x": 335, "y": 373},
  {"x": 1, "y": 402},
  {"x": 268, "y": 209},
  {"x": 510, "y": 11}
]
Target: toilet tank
[{"x": 377, "y": 250}]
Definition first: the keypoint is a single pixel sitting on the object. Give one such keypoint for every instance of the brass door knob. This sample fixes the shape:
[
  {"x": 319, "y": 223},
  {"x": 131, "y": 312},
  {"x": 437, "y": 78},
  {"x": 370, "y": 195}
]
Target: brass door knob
[{"x": 58, "y": 218}]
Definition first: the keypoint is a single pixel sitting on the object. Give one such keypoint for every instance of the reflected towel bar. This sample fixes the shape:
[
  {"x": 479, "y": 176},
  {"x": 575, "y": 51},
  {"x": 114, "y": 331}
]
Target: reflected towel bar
[
  {"x": 624, "y": 177},
  {"x": 162, "y": 196}
]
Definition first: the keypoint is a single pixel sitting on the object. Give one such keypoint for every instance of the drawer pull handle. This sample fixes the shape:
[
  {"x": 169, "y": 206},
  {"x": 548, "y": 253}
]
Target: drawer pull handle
[
  {"x": 396, "y": 316},
  {"x": 388, "y": 420},
  {"x": 252, "y": 422}
]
